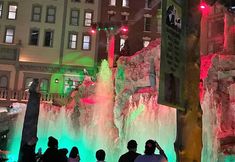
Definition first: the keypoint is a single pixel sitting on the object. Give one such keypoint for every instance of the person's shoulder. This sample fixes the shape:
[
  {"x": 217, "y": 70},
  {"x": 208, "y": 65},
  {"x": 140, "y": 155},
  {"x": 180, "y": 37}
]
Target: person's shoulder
[
  {"x": 160, "y": 157},
  {"x": 139, "y": 158}
]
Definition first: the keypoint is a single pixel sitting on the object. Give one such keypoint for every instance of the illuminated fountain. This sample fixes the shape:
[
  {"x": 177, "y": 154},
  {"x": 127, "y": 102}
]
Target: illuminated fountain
[{"x": 96, "y": 125}]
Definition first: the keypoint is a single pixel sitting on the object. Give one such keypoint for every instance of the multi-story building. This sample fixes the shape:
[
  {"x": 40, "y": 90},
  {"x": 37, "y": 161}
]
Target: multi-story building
[
  {"x": 212, "y": 30},
  {"x": 49, "y": 40},
  {"x": 143, "y": 18}
]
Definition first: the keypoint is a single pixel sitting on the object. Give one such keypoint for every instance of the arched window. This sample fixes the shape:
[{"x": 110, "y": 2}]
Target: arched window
[
  {"x": 28, "y": 82},
  {"x": 3, "y": 82}
]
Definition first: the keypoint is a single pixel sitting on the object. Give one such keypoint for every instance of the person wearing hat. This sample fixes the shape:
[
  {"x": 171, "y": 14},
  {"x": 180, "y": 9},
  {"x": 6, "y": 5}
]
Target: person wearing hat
[
  {"x": 149, "y": 156},
  {"x": 131, "y": 155}
]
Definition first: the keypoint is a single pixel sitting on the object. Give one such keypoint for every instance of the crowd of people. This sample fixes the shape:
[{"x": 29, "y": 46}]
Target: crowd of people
[{"x": 53, "y": 154}]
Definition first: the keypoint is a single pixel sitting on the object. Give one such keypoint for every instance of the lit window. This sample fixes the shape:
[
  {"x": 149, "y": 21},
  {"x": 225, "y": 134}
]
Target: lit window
[
  {"x": 147, "y": 22},
  {"x": 36, "y": 13},
  {"x": 86, "y": 42},
  {"x": 125, "y": 3},
  {"x": 1, "y": 6},
  {"x": 9, "y": 37},
  {"x": 73, "y": 40},
  {"x": 12, "y": 10},
  {"x": 146, "y": 43},
  {"x": 74, "y": 17},
  {"x": 48, "y": 39},
  {"x": 148, "y": 3},
  {"x": 159, "y": 25},
  {"x": 122, "y": 43},
  {"x": 88, "y": 19},
  {"x": 34, "y": 36},
  {"x": 50, "y": 18},
  {"x": 112, "y": 3}
]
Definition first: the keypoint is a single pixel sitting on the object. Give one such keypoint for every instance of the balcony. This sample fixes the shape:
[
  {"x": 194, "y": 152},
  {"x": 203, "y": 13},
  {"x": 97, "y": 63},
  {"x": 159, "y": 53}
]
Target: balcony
[
  {"x": 9, "y": 52},
  {"x": 9, "y": 96}
]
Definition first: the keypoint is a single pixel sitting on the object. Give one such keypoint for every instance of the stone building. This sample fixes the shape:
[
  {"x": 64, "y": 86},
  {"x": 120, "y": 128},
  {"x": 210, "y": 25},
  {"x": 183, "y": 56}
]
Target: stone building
[
  {"x": 49, "y": 40},
  {"x": 218, "y": 79},
  {"x": 143, "y": 18}
]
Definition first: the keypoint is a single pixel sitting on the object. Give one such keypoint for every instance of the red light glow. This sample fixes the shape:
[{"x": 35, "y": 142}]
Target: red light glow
[
  {"x": 124, "y": 28},
  {"x": 93, "y": 31},
  {"x": 203, "y": 6}
]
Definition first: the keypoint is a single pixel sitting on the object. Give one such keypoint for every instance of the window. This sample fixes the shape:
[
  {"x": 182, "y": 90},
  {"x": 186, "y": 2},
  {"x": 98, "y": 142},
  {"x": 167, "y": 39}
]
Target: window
[
  {"x": 159, "y": 25},
  {"x": 34, "y": 36},
  {"x": 124, "y": 17},
  {"x": 12, "y": 10},
  {"x": 86, "y": 42},
  {"x": 50, "y": 17},
  {"x": 122, "y": 43},
  {"x": 88, "y": 18},
  {"x": 148, "y": 3},
  {"x": 36, "y": 13},
  {"x": 9, "y": 35},
  {"x": 125, "y": 3},
  {"x": 74, "y": 17},
  {"x": 89, "y": 1},
  {"x": 112, "y": 2},
  {"x": 3, "y": 82},
  {"x": 44, "y": 84},
  {"x": 147, "y": 22},
  {"x": 73, "y": 37},
  {"x": 145, "y": 43},
  {"x": 48, "y": 39},
  {"x": 1, "y": 7},
  {"x": 27, "y": 83}
]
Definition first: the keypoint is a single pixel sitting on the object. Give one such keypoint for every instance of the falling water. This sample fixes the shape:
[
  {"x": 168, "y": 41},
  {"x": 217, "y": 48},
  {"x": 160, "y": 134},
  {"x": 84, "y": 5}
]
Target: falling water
[
  {"x": 210, "y": 120},
  {"x": 210, "y": 143},
  {"x": 148, "y": 120},
  {"x": 14, "y": 143},
  {"x": 145, "y": 120}
]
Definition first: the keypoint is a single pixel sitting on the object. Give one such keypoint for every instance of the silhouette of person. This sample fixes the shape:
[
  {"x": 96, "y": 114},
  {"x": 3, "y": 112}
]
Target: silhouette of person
[
  {"x": 51, "y": 154},
  {"x": 100, "y": 155},
  {"x": 63, "y": 155},
  {"x": 149, "y": 156},
  {"x": 74, "y": 155},
  {"x": 28, "y": 150},
  {"x": 131, "y": 155}
]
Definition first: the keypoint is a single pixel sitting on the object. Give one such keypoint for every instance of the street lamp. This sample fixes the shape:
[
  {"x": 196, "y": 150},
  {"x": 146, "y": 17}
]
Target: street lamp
[{"x": 111, "y": 30}]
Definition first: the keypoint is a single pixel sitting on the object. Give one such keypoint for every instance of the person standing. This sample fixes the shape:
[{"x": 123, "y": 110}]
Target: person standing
[
  {"x": 149, "y": 156},
  {"x": 74, "y": 155},
  {"x": 131, "y": 155},
  {"x": 100, "y": 155}
]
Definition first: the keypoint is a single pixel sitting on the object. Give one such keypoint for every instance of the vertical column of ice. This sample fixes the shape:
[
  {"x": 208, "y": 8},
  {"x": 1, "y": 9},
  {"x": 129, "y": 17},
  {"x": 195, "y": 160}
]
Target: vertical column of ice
[{"x": 209, "y": 129}]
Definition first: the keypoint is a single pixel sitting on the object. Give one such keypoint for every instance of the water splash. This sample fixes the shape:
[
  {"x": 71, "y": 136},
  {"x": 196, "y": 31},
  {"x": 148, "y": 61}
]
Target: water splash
[
  {"x": 145, "y": 120},
  {"x": 209, "y": 129},
  {"x": 148, "y": 120}
]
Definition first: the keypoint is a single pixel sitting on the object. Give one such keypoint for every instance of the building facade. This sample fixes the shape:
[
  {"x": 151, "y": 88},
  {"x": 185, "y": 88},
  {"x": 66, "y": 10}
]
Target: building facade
[
  {"x": 212, "y": 30},
  {"x": 143, "y": 19},
  {"x": 49, "y": 40}
]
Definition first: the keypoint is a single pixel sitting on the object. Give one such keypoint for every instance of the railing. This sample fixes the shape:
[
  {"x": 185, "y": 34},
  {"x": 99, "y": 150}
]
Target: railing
[{"x": 22, "y": 96}]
